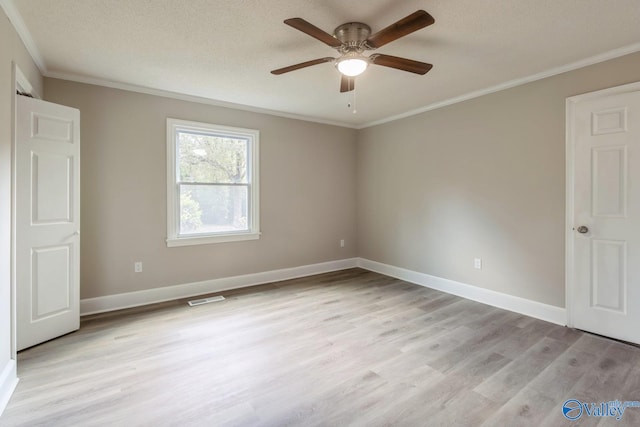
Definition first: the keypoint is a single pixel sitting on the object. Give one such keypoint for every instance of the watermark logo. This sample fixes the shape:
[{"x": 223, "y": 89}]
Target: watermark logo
[{"x": 573, "y": 409}]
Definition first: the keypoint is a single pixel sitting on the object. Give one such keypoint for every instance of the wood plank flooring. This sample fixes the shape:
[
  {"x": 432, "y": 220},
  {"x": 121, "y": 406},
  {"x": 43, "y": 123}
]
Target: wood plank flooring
[{"x": 345, "y": 348}]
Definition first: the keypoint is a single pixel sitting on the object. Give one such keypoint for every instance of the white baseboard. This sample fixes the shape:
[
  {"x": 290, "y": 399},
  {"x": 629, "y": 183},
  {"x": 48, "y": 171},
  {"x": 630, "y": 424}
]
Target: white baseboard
[
  {"x": 168, "y": 293},
  {"x": 8, "y": 382},
  {"x": 524, "y": 306}
]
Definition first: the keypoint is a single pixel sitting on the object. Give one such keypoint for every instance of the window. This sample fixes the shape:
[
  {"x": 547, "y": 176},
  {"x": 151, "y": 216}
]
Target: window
[{"x": 212, "y": 183}]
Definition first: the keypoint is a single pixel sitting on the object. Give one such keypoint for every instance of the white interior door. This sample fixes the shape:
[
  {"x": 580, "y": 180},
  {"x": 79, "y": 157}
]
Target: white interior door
[
  {"x": 604, "y": 285},
  {"x": 47, "y": 220}
]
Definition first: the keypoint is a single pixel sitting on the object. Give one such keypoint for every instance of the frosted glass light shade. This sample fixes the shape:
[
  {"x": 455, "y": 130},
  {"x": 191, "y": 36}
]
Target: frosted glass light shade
[{"x": 352, "y": 66}]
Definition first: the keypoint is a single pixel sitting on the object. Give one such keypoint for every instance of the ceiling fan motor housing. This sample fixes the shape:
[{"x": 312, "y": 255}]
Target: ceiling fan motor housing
[{"x": 352, "y": 35}]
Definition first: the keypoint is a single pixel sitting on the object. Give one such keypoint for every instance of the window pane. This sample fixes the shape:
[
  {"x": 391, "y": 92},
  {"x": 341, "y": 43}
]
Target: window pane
[
  {"x": 212, "y": 158},
  {"x": 213, "y": 208}
]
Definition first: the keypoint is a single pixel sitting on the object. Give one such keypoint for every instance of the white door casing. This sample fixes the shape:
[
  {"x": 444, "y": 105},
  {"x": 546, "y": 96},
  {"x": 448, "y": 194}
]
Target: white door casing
[
  {"x": 47, "y": 220},
  {"x": 603, "y": 212}
]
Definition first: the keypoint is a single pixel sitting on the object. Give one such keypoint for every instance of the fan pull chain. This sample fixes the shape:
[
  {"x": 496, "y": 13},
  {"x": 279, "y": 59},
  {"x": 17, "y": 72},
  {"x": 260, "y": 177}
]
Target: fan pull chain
[
  {"x": 352, "y": 103},
  {"x": 352, "y": 93},
  {"x": 354, "y": 100}
]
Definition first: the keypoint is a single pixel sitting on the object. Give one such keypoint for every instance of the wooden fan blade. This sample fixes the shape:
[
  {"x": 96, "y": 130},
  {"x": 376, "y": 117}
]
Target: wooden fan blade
[
  {"x": 302, "y": 65},
  {"x": 403, "y": 64},
  {"x": 407, "y": 25},
  {"x": 315, "y": 32},
  {"x": 347, "y": 84}
]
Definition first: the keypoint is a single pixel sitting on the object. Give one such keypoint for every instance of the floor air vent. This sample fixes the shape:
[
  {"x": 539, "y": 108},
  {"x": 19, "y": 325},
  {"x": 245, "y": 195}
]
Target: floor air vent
[{"x": 195, "y": 302}]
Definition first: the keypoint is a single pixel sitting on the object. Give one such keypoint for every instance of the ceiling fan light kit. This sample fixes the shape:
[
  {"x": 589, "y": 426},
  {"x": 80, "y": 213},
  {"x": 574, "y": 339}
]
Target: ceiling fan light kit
[
  {"x": 352, "y": 65},
  {"x": 352, "y": 39}
]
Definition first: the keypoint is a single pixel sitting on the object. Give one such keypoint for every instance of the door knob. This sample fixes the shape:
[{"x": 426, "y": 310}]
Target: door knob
[{"x": 582, "y": 229}]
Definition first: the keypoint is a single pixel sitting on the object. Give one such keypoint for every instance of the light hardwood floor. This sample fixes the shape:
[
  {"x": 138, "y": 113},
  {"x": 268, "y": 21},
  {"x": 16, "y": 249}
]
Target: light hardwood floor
[{"x": 344, "y": 348}]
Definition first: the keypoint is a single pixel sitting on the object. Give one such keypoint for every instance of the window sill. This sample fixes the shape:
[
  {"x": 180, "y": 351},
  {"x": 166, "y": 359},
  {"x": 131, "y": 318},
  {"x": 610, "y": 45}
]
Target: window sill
[{"x": 207, "y": 240}]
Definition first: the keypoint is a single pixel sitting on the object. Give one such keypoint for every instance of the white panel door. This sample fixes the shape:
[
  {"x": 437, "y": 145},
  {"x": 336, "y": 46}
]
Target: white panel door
[
  {"x": 47, "y": 241},
  {"x": 604, "y": 293}
]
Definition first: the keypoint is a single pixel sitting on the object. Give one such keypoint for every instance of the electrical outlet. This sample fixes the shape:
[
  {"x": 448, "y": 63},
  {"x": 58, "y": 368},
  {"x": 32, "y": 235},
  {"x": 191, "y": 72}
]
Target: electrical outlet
[
  {"x": 477, "y": 263},
  {"x": 137, "y": 267},
  {"x": 342, "y": 243}
]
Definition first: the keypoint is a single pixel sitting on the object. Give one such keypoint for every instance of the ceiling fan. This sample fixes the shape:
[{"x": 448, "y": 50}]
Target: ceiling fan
[{"x": 352, "y": 39}]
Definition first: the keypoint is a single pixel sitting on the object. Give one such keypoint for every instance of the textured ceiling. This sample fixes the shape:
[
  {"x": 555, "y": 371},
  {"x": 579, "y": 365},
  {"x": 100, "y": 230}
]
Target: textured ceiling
[{"x": 223, "y": 50}]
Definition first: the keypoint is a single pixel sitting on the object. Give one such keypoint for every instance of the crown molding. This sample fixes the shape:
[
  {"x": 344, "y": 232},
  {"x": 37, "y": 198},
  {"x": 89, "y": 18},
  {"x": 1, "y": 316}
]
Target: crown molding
[
  {"x": 612, "y": 54},
  {"x": 192, "y": 98},
  {"x": 16, "y": 20}
]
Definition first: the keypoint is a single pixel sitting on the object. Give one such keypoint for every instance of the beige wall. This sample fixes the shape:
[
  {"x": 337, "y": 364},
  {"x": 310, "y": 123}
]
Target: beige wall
[
  {"x": 307, "y": 192},
  {"x": 483, "y": 178},
  {"x": 11, "y": 50}
]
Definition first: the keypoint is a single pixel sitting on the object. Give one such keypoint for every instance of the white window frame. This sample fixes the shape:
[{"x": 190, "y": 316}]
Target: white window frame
[{"x": 173, "y": 199}]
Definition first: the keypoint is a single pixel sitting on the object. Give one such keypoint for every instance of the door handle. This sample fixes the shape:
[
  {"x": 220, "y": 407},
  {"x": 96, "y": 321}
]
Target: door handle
[{"x": 582, "y": 229}]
